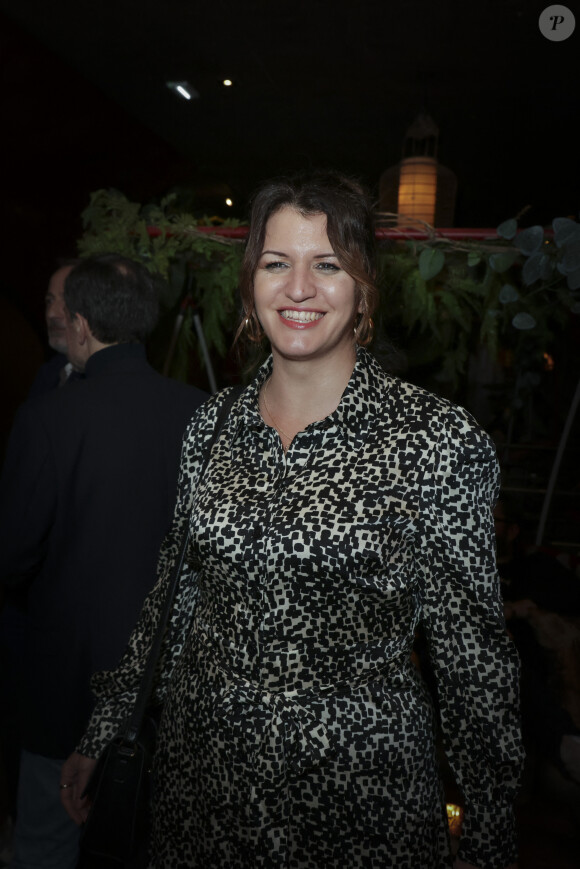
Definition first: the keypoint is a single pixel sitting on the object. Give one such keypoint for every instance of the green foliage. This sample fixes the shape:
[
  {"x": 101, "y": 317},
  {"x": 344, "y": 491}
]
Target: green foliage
[
  {"x": 431, "y": 261},
  {"x": 508, "y": 228},
  {"x": 501, "y": 262},
  {"x": 197, "y": 267},
  {"x": 530, "y": 240},
  {"x": 508, "y": 293}
]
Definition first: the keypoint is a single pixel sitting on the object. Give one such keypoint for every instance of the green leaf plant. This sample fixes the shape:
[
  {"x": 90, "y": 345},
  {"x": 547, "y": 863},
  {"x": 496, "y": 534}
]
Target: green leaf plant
[
  {"x": 199, "y": 269},
  {"x": 510, "y": 293},
  {"x": 441, "y": 298}
]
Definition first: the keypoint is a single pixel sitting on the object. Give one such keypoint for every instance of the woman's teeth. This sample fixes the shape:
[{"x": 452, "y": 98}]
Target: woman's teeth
[{"x": 301, "y": 316}]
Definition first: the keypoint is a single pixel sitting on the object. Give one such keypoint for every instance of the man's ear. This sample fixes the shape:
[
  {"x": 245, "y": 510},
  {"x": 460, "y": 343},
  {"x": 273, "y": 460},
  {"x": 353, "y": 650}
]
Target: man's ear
[{"x": 82, "y": 328}]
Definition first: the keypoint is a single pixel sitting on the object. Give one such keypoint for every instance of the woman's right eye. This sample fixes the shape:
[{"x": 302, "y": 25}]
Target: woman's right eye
[{"x": 275, "y": 266}]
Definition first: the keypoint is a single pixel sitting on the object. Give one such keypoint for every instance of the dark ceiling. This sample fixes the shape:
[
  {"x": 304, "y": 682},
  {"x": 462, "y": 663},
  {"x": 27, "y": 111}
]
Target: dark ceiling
[{"x": 324, "y": 82}]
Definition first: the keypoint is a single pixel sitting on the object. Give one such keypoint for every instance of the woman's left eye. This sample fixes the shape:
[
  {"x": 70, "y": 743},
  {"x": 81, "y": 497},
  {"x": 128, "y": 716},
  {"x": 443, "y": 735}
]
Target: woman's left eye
[{"x": 327, "y": 267}]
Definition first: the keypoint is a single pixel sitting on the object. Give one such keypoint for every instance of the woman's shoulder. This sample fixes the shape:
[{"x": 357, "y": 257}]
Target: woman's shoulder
[
  {"x": 392, "y": 389},
  {"x": 414, "y": 400},
  {"x": 205, "y": 418},
  {"x": 426, "y": 414}
]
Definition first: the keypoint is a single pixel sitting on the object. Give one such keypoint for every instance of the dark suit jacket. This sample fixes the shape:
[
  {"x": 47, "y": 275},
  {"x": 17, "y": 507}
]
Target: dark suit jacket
[
  {"x": 49, "y": 376},
  {"x": 87, "y": 493}
]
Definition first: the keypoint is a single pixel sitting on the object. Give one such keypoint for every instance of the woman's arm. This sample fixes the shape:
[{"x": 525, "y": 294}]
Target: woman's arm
[
  {"x": 474, "y": 661},
  {"x": 74, "y": 778}
]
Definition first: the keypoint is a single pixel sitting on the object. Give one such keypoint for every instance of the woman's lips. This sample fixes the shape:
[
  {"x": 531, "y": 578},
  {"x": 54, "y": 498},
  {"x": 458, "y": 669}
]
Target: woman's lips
[{"x": 300, "y": 317}]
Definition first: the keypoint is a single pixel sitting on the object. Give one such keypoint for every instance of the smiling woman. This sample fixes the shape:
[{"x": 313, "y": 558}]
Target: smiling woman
[
  {"x": 341, "y": 507},
  {"x": 307, "y": 285}
]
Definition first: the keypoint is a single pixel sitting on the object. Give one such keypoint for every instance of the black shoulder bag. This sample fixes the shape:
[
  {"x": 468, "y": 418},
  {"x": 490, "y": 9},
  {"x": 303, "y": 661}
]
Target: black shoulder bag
[{"x": 117, "y": 829}]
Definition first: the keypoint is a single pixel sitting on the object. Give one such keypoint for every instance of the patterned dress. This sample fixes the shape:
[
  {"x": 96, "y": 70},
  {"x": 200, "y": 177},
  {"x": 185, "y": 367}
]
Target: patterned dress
[{"x": 296, "y": 730}]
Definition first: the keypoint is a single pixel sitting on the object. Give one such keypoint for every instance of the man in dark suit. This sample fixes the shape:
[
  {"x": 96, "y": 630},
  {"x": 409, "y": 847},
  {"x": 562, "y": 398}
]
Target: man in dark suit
[
  {"x": 87, "y": 493},
  {"x": 53, "y": 374}
]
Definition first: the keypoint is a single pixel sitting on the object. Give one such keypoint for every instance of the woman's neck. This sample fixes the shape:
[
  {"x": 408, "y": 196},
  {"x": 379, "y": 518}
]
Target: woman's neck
[{"x": 301, "y": 392}]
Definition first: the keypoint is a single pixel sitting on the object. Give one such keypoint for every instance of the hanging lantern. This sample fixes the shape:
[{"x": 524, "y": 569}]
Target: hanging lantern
[{"x": 419, "y": 188}]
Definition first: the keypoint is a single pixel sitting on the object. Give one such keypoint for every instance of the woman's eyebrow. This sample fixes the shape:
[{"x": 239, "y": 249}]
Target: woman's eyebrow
[{"x": 318, "y": 255}]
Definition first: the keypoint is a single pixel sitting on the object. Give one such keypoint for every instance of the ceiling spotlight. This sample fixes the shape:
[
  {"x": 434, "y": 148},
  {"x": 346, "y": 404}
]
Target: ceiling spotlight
[
  {"x": 227, "y": 82},
  {"x": 184, "y": 89},
  {"x": 229, "y": 202}
]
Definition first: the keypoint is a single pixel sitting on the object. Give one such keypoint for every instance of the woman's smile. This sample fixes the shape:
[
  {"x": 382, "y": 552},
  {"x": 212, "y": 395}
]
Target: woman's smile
[{"x": 300, "y": 317}]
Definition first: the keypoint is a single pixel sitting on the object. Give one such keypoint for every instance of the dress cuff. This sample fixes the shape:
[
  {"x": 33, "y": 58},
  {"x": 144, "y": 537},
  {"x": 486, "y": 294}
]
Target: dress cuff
[{"x": 488, "y": 838}]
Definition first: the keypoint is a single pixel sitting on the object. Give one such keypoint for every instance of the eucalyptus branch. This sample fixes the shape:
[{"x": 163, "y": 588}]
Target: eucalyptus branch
[{"x": 435, "y": 286}]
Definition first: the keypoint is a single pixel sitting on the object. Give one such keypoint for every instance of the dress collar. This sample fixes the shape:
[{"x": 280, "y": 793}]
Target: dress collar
[{"x": 365, "y": 390}]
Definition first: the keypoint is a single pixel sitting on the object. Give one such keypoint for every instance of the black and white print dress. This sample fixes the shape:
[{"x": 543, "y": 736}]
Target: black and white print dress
[{"x": 296, "y": 730}]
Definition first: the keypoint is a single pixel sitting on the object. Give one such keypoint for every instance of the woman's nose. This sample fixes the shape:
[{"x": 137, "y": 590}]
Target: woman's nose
[{"x": 301, "y": 284}]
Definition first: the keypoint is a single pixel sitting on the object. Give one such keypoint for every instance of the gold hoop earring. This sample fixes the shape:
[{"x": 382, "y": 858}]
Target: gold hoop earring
[
  {"x": 364, "y": 330},
  {"x": 253, "y": 329}
]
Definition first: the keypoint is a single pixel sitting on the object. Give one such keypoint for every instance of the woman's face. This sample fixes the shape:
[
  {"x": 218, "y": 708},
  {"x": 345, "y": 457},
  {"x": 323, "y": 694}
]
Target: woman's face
[{"x": 304, "y": 300}]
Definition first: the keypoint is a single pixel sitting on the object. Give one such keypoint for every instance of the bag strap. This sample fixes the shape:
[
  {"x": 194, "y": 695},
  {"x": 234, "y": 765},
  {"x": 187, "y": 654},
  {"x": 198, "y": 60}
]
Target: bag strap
[{"x": 146, "y": 685}]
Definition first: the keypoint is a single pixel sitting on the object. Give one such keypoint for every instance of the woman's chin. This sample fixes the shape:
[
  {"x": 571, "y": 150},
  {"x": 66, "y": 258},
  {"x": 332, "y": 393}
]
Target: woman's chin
[{"x": 305, "y": 350}]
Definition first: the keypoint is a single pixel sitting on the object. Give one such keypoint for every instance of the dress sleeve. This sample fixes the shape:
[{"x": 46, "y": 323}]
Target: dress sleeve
[
  {"x": 116, "y": 690},
  {"x": 474, "y": 661}
]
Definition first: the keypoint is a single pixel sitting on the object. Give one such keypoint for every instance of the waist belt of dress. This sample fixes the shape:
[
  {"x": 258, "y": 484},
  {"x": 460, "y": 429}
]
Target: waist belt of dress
[
  {"x": 285, "y": 737},
  {"x": 296, "y": 735}
]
